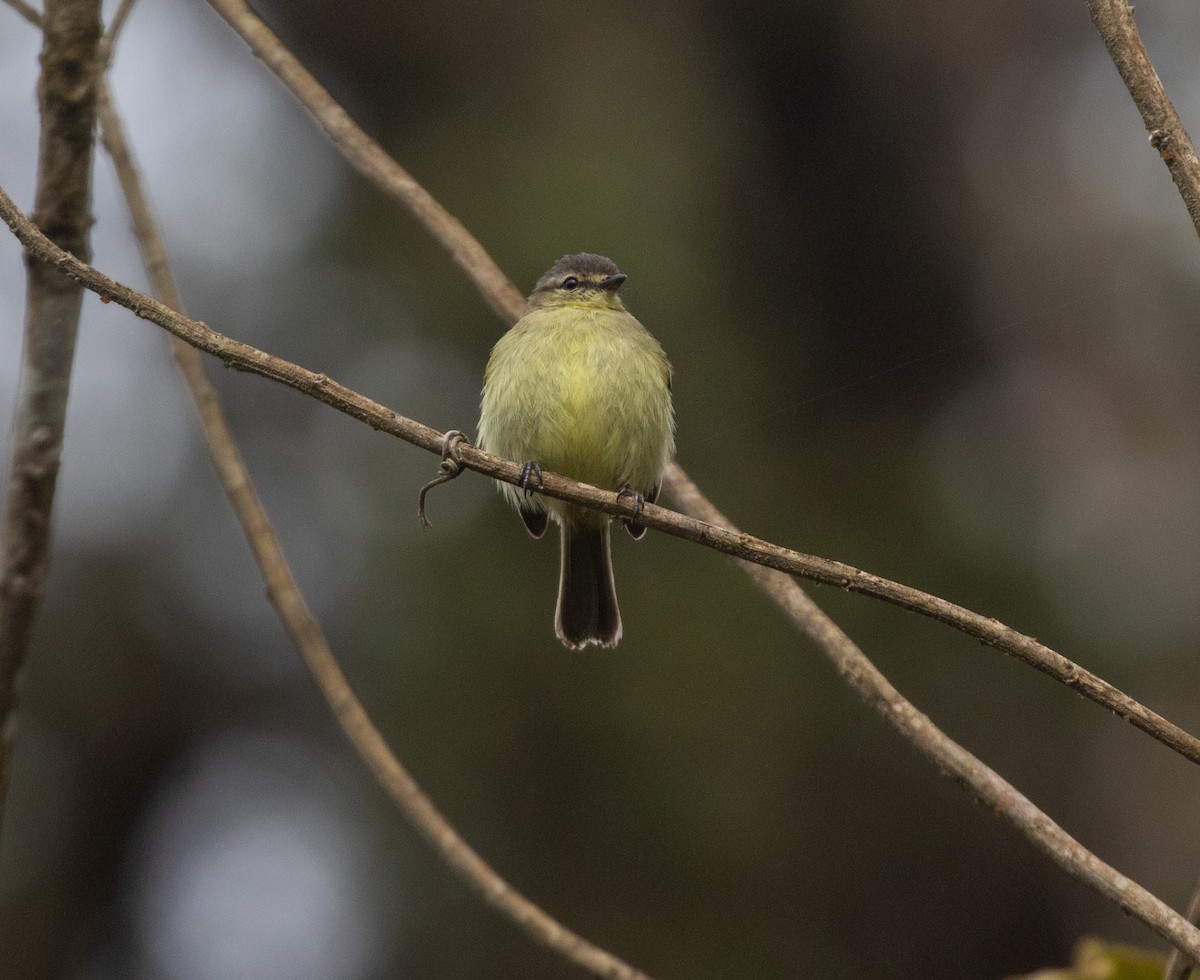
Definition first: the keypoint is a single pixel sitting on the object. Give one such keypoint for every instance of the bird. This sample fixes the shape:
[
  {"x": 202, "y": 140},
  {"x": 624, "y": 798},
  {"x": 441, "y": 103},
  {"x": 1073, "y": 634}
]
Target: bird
[{"x": 579, "y": 387}]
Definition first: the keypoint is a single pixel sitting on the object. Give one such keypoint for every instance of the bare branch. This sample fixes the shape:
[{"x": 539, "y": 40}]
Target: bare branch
[
  {"x": 503, "y": 297},
  {"x": 953, "y": 760},
  {"x": 850, "y": 661},
  {"x": 299, "y": 622},
  {"x": 1114, "y": 21},
  {"x": 363, "y": 152},
  {"x": 1179, "y": 967},
  {"x": 145, "y": 228},
  {"x": 373, "y": 163},
  {"x": 108, "y": 42},
  {"x": 67, "y": 101},
  {"x": 823, "y": 570},
  {"x": 858, "y": 671},
  {"x": 27, "y": 11}
]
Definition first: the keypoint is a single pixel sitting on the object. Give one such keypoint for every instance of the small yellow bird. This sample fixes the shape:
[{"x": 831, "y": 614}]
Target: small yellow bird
[{"x": 579, "y": 387}]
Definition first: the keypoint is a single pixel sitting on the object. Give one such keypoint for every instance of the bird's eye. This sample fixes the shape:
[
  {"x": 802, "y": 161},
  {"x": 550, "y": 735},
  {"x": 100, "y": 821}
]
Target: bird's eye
[{"x": 570, "y": 282}]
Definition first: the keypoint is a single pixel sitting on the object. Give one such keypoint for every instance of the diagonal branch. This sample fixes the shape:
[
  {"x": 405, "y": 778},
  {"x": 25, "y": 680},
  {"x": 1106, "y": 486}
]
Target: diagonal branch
[
  {"x": 352, "y": 142},
  {"x": 366, "y": 156},
  {"x": 26, "y": 11},
  {"x": 951, "y": 758},
  {"x": 67, "y": 102},
  {"x": 298, "y": 620},
  {"x": 1179, "y": 966},
  {"x": 116, "y": 24},
  {"x": 504, "y": 298},
  {"x": 747, "y": 547},
  {"x": 866, "y": 680},
  {"x": 872, "y": 686},
  {"x": 1114, "y": 21}
]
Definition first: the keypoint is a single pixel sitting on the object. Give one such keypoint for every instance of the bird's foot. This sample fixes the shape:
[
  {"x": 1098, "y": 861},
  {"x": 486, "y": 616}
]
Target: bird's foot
[
  {"x": 639, "y": 501},
  {"x": 531, "y": 470},
  {"x": 635, "y": 529},
  {"x": 450, "y": 467}
]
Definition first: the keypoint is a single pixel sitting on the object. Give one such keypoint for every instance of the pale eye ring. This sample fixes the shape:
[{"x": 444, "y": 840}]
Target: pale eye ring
[{"x": 570, "y": 282}]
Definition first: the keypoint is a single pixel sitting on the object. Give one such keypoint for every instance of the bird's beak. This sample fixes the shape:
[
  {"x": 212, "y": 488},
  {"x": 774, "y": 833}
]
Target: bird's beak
[{"x": 613, "y": 283}]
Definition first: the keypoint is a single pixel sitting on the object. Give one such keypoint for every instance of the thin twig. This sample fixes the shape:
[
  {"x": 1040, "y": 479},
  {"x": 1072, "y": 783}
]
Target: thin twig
[
  {"x": 108, "y": 43},
  {"x": 506, "y": 300},
  {"x": 866, "y": 680},
  {"x": 316, "y": 383},
  {"x": 67, "y": 102},
  {"x": 27, "y": 11},
  {"x": 299, "y": 622},
  {"x": 1114, "y": 21},
  {"x": 809, "y": 619},
  {"x": 1179, "y": 967},
  {"x": 747, "y": 547},
  {"x": 372, "y": 162},
  {"x": 953, "y": 760}
]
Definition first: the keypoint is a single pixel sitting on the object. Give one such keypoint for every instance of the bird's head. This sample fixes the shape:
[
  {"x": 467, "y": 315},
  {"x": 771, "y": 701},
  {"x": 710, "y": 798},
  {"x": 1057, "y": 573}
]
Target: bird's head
[{"x": 585, "y": 280}]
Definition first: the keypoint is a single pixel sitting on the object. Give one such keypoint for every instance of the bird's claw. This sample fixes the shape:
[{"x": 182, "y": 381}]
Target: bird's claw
[
  {"x": 530, "y": 470},
  {"x": 639, "y": 501},
  {"x": 636, "y": 530},
  {"x": 450, "y": 467}
]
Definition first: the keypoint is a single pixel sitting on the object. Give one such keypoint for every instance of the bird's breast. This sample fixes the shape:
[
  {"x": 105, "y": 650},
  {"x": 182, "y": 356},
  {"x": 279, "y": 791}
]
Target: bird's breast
[{"x": 583, "y": 393}]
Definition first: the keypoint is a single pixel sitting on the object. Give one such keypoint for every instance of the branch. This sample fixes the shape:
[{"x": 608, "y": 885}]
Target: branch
[
  {"x": 953, "y": 760},
  {"x": 67, "y": 102},
  {"x": 298, "y": 620},
  {"x": 851, "y": 662},
  {"x": 366, "y": 156},
  {"x": 26, "y": 11},
  {"x": 503, "y": 297},
  {"x": 872, "y": 686},
  {"x": 354, "y": 144},
  {"x": 1179, "y": 967},
  {"x": 108, "y": 43},
  {"x": 1114, "y": 21},
  {"x": 739, "y": 545}
]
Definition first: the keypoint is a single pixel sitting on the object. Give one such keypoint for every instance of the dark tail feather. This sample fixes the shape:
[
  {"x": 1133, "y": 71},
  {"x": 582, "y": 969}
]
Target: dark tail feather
[{"x": 587, "y": 596}]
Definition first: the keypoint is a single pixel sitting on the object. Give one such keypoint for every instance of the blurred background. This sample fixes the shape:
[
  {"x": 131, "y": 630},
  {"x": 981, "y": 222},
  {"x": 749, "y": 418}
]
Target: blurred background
[{"x": 931, "y": 301}]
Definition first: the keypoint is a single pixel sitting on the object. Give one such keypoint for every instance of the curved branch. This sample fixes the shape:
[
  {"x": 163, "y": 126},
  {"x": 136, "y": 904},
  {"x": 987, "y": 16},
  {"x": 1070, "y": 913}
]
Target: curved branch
[
  {"x": 503, "y": 297},
  {"x": 747, "y": 547},
  {"x": 851, "y": 663},
  {"x": 1114, "y": 21},
  {"x": 302, "y": 627},
  {"x": 870, "y": 684},
  {"x": 951, "y": 758},
  {"x": 369, "y": 158}
]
